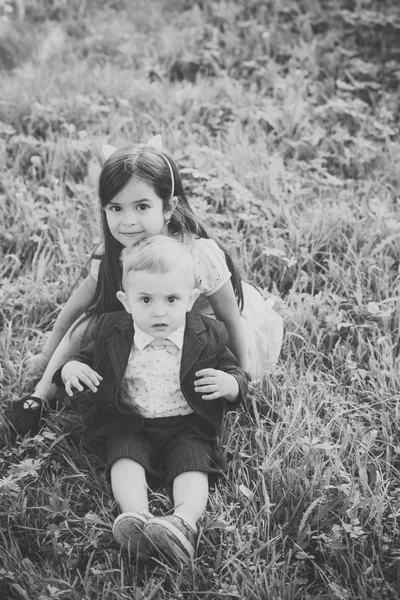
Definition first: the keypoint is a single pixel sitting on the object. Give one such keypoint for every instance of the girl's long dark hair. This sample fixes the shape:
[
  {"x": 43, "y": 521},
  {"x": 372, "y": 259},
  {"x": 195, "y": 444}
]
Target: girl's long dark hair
[{"x": 149, "y": 165}]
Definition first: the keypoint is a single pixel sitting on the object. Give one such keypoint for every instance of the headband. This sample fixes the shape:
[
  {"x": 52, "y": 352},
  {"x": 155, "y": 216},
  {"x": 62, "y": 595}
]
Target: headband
[{"x": 154, "y": 142}]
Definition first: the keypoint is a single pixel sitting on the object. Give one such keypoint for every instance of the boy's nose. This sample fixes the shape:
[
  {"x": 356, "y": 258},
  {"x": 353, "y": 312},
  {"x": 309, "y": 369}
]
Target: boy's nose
[{"x": 159, "y": 310}]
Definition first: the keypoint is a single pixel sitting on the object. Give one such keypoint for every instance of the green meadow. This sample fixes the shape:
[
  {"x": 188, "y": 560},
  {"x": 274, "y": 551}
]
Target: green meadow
[{"x": 283, "y": 117}]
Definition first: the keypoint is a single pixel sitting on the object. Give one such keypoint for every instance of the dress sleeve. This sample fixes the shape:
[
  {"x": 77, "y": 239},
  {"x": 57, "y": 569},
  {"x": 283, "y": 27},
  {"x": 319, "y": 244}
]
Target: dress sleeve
[{"x": 210, "y": 269}]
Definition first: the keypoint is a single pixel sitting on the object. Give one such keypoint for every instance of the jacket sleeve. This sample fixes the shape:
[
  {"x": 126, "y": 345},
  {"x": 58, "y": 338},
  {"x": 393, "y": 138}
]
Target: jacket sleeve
[{"x": 227, "y": 362}]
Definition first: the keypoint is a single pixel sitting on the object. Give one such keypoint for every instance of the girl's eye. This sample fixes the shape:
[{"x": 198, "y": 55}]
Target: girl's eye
[
  {"x": 142, "y": 207},
  {"x": 145, "y": 300},
  {"x": 113, "y": 208},
  {"x": 172, "y": 299}
]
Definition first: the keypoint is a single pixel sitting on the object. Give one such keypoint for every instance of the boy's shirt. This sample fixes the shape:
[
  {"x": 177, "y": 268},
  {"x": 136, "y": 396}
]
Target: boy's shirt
[{"x": 151, "y": 385}]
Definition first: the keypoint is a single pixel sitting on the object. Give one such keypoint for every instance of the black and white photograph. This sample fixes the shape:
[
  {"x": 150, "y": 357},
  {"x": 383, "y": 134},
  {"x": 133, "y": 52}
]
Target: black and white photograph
[{"x": 199, "y": 300}]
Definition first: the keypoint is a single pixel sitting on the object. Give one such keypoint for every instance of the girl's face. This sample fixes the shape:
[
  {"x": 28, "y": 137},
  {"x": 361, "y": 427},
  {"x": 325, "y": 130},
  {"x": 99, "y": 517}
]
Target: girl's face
[{"x": 137, "y": 212}]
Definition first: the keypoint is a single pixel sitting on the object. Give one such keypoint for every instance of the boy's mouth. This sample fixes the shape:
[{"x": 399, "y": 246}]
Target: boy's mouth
[{"x": 160, "y": 325}]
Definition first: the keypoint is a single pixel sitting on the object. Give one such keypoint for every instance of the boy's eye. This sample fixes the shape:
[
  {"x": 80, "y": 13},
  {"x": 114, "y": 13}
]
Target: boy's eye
[
  {"x": 145, "y": 300},
  {"x": 172, "y": 299}
]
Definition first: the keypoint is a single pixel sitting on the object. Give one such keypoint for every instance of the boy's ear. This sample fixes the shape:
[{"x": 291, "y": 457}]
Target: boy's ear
[
  {"x": 194, "y": 294},
  {"x": 122, "y": 297}
]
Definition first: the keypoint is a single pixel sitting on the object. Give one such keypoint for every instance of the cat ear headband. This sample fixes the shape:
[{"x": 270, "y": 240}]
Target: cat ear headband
[{"x": 154, "y": 142}]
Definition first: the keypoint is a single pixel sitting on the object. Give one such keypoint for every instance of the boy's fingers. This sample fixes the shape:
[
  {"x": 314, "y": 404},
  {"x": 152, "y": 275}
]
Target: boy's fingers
[
  {"x": 205, "y": 381},
  {"x": 70, "y": 384},
  {"x": 207, "y": 389},
  {"x": 213, "y": 396},
  {"x": 205, "y": 372},
  {"x": 77, "y": 384},
  {"x": 92, "y": 374},
  {"x": 94, "y": 377},
  {"x": 88, "y": 382}
]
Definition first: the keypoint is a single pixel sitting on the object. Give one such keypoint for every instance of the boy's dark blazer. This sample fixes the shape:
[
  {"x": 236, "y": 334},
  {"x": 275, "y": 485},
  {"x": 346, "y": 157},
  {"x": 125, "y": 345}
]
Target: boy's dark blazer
[{"x": 204, "y": 346}]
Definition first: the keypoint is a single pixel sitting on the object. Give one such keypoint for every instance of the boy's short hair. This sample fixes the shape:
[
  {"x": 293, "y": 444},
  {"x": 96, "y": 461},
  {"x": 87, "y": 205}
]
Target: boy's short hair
[{"x": 157, "y": 254}]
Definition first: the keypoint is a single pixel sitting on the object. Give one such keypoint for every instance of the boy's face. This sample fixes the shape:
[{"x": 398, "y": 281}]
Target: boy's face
[{"x": 158, "y": 302}]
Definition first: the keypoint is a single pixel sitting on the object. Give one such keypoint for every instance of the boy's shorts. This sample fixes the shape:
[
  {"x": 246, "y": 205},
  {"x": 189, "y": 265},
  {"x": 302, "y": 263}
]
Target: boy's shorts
[{"x": 166, "y": 447}]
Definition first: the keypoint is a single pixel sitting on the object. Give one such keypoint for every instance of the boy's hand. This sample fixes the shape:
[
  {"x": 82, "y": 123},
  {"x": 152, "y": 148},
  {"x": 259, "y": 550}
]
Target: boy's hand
[
  {"x": 215, "y": 384},
  {"x": 74, "y": 373}
]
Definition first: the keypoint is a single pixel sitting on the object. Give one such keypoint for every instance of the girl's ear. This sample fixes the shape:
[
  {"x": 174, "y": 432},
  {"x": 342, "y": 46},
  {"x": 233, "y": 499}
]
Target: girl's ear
[
  {"x": 122, "y": 297},
  {"x": 155, "y": 142},
  {"x": 171, "y": 207},
  {"x": 108, "y": 150}
]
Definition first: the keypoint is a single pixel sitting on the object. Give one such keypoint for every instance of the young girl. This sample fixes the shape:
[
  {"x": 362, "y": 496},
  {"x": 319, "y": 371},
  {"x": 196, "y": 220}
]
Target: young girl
[{"x": 141, "y": 194}]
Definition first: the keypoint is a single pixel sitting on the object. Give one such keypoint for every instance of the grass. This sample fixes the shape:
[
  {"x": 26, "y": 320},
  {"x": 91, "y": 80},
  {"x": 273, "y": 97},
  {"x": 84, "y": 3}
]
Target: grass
[{"x": 283, "y": 118}]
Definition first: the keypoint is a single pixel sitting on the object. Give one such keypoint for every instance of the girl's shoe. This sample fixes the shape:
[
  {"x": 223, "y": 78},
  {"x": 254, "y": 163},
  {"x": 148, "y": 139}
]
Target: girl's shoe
[
  {"x": 128, "y": 532},
  {"x": 24, "y": 415},
  {"x": 173, "y": 537}
]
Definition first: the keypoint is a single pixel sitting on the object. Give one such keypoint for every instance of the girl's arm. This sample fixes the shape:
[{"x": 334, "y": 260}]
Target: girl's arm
[
  {"x": 224, "y": 305},
  {"x": 75, "y": 306},
  {"x": 61, "y": 345},
  {"x": 70, "y": 345}
]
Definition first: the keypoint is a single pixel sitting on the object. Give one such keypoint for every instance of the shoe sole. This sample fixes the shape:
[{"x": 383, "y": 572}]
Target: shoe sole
[
  {"x": 128, "y": 533},
  {"x": 169, "y": 540}
]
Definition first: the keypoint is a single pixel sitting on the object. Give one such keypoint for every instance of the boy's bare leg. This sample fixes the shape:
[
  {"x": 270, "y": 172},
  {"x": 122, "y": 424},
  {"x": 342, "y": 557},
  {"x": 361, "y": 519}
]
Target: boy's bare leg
[
  {"x": 175, "y": 535},
  {"x": 129, "y": 486},
  {"x": 190, "y": 492}
]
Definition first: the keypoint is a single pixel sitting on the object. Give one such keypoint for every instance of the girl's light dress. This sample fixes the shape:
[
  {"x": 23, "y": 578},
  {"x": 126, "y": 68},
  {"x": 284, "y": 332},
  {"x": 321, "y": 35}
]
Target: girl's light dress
[{"x": 263, "y": 326}]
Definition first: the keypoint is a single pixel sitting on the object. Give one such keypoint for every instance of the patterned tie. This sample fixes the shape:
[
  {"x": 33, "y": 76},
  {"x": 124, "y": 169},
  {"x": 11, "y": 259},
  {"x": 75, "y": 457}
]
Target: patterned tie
[{"x": 165, "y": 344}]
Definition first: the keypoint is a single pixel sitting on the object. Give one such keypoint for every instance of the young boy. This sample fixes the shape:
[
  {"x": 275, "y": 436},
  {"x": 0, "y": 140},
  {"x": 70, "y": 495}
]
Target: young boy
[{"x": 161, "y": 377}]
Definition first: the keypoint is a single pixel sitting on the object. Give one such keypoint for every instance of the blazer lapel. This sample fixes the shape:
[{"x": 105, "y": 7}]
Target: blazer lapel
[
  {"x": 193, "y": 342},
  {"x": 119, "y": 347}
]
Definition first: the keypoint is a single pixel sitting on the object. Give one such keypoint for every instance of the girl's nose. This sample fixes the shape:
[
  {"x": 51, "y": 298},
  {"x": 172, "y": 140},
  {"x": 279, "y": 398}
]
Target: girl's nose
[{"x": 130, "y": 218}]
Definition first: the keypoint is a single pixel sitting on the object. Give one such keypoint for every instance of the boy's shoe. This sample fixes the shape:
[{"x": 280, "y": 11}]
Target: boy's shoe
[
  {"x": 128, "y": 532},
  {"x": 24, "y": 415},
  {"x": 173, "y": 537}
]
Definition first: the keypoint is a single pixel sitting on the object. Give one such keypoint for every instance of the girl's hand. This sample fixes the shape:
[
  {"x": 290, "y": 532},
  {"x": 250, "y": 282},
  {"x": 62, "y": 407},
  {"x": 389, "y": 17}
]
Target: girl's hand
[
  {"x": 215, "y": 384},
  {"x": 36, "y": 364},
  {"x": 74, "y": 373}
]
